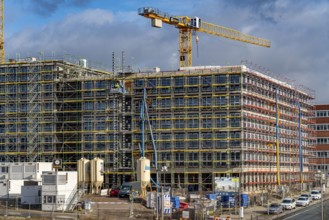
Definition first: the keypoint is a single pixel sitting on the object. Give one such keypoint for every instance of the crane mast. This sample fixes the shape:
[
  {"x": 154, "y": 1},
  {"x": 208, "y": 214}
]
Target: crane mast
[
  {"x": 2, "y": 33},
  {"x": 187, "y": 25}
]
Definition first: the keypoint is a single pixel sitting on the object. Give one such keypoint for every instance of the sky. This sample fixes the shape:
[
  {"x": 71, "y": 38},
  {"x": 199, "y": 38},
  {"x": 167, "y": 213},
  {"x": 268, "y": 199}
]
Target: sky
[{"x": 94, "y": 29}]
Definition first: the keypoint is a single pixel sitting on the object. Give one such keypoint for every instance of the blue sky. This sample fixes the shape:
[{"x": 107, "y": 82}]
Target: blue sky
[{"x": 93, "y": 29}]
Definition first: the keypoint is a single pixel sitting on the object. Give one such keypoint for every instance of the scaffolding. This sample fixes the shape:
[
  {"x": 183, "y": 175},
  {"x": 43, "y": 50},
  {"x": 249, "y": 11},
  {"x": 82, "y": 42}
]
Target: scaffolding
[
  {"x": 222, "y": 122},
  {"x": 207, "y": 123}
]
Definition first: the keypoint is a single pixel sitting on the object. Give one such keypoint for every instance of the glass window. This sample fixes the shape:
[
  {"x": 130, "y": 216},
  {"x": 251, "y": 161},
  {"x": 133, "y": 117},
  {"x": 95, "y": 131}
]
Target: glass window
[
  {"x": 88, "y": 106},
  {"x": 193, "y": 101},
  {"x": 194, "y": 80},
  {"x": 165, "y": 82},
  {"x": 221, "y": 122},
  {"x": 152, "y": 83},
  {"x": 179, "y": 101},
  {"x": 206, "y": 101},
  {"x": 221, "y": 100},
  {"x": 101, "y": 105},
  {"x": 207, "y": 123},
  {"x": 234, "y": 78},
  {"x": 179, "y": 81},
  {"x": 235, "y": 100},
  {"x": 206, "y": 80},
  {"x": 180, "y": 123},
  {"x": 88, "y": 85},
  {"x": 100, "y": 84},
  {"x": 220, "y": 79},
  {"x": 193, "y": 123}
]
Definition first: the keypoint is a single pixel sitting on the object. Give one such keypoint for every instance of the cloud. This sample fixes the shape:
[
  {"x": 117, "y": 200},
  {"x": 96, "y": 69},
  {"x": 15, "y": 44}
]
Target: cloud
[
  {"x": 95, "y": 34},
  {"x": 48, "y": 7},
  {"x": 298, "y": 31}
]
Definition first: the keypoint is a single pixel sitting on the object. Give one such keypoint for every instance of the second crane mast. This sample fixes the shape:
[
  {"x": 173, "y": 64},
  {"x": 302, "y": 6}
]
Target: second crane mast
[
  {"x": 187, "y": 25},
  {"x": 2, "y": 33}
]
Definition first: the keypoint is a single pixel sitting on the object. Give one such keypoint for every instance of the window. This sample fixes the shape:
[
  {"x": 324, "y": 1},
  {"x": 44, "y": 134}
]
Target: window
[
  {"x": 179, "y": 101},
  {"x": 193, "y": 80},
  {"x": 180, "y": 123},
  {"x": 166, "y": 124},
  {"x": 179, "y": 136},
  {"x": 165, "y": 82},
  {"x": 165, "y": 103},
  {"x": 101, "y": 105},
  {"x": 220, "y": 79},
  {"x": 100, "y": 84},
  {"x": 235, "y": 100},
  {"x": 88, "y": 85},
  {"x": 193, "y": 135},
  {"x": 152, "y": 83},
  {"x": 88, "y": 106},
  {"x": 322, "y": 114},
  {"x": 221, "y": 122},
  {"x": 235, "y": 122},
  {"x": 179, "y": 81},
  {"x": 221, "y": 100},
  {"x": 206, "y": 80},
  {"x": 206, "y": 101},
  {"x": 49, "y": 199},
  {"x": 234, "y": 78},
  {"x": 193, "y": 123},
  {"x": 193, "y": 102},
  {"x": 207, "y": 123}
]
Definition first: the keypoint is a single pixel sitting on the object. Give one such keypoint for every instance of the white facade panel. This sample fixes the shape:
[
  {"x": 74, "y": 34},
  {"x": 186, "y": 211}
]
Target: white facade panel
[{"x": 14, "y": 187}]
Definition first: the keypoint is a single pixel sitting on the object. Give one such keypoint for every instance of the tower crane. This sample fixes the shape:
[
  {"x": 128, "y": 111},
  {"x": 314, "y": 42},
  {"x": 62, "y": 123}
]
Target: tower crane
[
  {"x": 187, "y": 26},
  {"x": 2, "y": 33}
]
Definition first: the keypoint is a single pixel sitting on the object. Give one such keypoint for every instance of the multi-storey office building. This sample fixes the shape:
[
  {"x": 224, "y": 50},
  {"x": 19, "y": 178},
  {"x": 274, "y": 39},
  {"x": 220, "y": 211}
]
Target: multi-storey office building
[
  {"x": 222, "y": 122},
  {"x": 321, "y": 127},
  {"x": 207, "y": 123}
]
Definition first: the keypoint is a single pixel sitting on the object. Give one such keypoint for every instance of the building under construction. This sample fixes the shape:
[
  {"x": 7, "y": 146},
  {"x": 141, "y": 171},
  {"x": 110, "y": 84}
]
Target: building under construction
[{"x": 209, "y": 122}]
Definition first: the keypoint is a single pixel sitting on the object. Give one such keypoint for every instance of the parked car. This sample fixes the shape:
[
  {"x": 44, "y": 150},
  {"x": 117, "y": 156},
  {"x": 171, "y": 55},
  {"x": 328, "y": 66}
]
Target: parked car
[
  {"x": 114, "y": 192},
  {"x": 307, "y": 196},
  {"x": 275, "y": 208},
  {"x": 302, "y": 201},
  {"x": 316, "y": 194},
  {"x": 288, "y": 203},
  {"x": 127, "y": 187}
]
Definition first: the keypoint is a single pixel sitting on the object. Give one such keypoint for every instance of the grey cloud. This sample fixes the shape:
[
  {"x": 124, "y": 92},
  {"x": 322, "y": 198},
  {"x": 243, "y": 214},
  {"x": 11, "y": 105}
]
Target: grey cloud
[
  {"x": 48, "y": 7},
  {"x": 298, "y": 33}
]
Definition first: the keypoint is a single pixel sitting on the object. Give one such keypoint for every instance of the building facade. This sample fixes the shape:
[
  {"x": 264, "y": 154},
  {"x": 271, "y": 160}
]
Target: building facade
[
  {"x": 207, "y": 123},
  {"x": 226, "y": 121},
  {"x": 321, "y": 127}
]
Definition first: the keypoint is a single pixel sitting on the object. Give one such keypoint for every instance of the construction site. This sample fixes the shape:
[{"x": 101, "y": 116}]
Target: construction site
[
  {"x": 207, "y": 122},
  {"x": 204, "y": 122}
]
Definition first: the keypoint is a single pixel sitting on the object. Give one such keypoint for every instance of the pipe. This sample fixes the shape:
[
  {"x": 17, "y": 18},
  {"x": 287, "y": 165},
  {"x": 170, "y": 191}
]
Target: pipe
[{"x": 277, "y": 138}]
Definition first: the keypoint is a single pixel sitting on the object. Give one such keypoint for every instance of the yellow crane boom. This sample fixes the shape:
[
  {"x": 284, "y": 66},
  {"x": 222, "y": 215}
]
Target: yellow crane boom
[{"x": 187, "y": 25}]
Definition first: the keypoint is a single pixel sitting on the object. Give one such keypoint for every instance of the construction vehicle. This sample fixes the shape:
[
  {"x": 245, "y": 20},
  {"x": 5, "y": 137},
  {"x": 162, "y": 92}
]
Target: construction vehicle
[{"x": 187, "y": 26}]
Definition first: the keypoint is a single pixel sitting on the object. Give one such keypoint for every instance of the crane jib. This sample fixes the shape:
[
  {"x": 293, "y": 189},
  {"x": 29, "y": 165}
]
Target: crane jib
[{"x": 186, "y": 25}]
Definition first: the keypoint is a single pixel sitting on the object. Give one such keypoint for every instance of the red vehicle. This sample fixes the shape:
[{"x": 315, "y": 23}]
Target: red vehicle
[{"x": 114, "y": 192}]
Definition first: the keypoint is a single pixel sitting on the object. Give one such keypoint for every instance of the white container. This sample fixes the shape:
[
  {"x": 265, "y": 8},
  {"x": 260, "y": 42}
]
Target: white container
[
  {"x": 150, "y": 200},
  {"x": 83, "y": 172},
  {"x": 241, "y": 212},
  {"x": 143, "y": 170},
  {"x": 96, "y": 174},
  {"x": 83, "y": 63}
]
